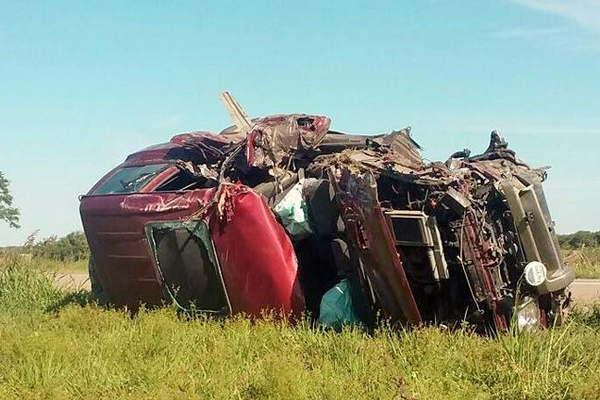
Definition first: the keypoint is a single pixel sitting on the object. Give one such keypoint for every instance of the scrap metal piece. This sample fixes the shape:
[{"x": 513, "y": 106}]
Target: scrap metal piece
[
  {"x": 403, "y": 146},
  {"x": 497, "y": 142},
  {"x": 274, "y": 140},
  {"x": 236, "y": 112},
  {"x": 456, "y": 201},
  {"x": 372, "y": 240},
  {"x": 439, "y": 257},
  {"x": 273, "y": 190},
  {"x": 478, "y": 252},
  {"x": 417, "y": 229}
]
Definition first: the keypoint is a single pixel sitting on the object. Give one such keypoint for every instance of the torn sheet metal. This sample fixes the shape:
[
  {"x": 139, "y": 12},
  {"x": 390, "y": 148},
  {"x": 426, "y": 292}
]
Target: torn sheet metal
[
  {"x": 263, "y": 279},
  {"x": 273, "y": 140},
  {"x": 423, "y": 242},
  {"x": 257, "y": 257},
  {"x": 371, "y": 238}
]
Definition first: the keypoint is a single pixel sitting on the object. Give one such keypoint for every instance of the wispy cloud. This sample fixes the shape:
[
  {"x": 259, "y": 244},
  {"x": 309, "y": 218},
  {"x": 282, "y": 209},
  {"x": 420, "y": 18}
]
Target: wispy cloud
[
  {"x": 581, "y": 30},
  {"x": 585, "y": 13}
]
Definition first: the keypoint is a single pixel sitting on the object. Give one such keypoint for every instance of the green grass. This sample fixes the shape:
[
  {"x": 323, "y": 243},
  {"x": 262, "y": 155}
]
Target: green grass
[
  {"x": 46, "y": 264},
  {"x": 56, "y": 345},
  {"x": 585, "y": 261}
]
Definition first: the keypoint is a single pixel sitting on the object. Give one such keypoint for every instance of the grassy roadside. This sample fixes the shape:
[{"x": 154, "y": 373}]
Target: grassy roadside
[
  {"x": 55, "y": 345},
  {"x": 585, "y": 261},
  {"x": 43, "y": 263}
]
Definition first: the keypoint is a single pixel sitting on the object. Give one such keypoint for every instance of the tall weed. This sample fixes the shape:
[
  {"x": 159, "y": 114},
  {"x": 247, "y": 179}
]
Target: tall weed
[{"x": 24, "y": 287}]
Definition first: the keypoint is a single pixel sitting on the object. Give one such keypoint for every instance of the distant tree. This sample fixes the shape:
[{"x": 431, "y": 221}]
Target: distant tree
[
  {"x": 72, "y": 247},
  {"x": 8, "y": 213},
  {"x": 580, "y": 239}
]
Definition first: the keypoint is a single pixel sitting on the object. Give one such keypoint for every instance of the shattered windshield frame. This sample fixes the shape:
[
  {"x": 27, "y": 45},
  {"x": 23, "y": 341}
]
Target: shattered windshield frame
[{"x": 129, "y": 179}]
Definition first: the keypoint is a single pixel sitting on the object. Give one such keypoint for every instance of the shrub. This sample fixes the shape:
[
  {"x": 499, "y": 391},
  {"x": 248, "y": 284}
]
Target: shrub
[
  {"x": 72, "y": 247},
  {"x": 24, "y": 288}
]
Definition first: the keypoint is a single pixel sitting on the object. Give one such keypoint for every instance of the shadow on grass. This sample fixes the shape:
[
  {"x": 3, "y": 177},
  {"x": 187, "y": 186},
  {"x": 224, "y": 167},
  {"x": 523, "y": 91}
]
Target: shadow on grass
[
  {"x": 586, "y": 314},
  {"x": 80, "y": 297}
]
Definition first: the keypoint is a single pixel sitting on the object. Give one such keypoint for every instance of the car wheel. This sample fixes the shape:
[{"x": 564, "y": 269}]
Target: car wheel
[{"x": 98, "y": 292}]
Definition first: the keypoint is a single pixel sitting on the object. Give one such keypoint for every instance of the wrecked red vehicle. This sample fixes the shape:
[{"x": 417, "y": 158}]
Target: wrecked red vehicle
[{"x": 283, "y": 214}]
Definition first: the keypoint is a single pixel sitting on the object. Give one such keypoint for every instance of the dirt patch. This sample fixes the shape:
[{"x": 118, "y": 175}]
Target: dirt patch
[{"x": 70, "y": 281}]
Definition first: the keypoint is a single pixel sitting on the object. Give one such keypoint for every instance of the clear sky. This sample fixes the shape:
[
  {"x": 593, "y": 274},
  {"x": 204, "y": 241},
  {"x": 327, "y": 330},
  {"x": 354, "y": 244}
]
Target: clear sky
[{"x": 83, "y": 84}]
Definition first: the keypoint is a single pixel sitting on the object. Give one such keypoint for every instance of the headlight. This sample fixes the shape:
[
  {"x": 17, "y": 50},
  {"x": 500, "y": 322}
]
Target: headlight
[{"x": 535, "y": 273}]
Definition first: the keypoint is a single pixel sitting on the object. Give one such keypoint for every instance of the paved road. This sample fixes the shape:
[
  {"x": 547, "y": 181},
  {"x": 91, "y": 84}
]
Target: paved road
[
  {"x": 586, "y": 290},
  {"x": 583, "y": 290}
]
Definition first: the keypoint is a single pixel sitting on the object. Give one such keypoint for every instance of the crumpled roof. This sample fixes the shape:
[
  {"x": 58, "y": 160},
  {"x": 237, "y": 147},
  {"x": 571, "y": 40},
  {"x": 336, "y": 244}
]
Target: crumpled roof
[{"x": 274, "y": 139}]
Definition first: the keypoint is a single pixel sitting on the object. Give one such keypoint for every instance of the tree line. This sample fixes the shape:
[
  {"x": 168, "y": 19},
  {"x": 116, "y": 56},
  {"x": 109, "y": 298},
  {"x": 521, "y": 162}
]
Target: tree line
[
  {"x": 72, "y": 247},
  {"x": 579, "y": 239}
]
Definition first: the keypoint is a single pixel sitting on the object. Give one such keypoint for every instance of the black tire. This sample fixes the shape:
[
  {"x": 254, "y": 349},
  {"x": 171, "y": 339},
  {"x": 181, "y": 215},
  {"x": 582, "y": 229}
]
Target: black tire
[{"x": 98, "y": 293}]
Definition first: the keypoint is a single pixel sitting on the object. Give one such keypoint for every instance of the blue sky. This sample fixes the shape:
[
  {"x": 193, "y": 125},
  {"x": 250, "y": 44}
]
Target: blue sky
[{"x": 83, "y": 84}]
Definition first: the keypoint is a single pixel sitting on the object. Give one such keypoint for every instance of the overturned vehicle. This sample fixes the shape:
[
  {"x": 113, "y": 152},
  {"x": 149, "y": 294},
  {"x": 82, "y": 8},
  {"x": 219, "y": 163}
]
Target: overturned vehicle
[{"x": 283, "y": 214}]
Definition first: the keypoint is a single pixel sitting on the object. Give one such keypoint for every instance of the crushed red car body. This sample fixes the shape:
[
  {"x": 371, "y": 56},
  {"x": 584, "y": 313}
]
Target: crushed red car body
[{"x": 273, "y": 213}]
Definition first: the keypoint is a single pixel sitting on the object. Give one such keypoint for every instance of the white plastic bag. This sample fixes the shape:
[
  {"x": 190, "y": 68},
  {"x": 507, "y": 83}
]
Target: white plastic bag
[{"x": 292, "y": 211}]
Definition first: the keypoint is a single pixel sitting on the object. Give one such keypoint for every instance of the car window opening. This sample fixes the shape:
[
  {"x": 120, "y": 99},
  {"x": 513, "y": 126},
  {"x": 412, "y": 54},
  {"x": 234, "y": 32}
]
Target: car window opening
[{"x": 187, "y": 263}]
